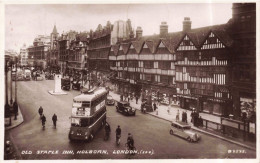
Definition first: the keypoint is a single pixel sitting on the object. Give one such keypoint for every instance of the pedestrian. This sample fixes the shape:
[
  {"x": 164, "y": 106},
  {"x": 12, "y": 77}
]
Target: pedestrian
[
  {"x": 185, "y": 115},
  {"x": 182, "y": 116},
  {"x": 54, "y": 119},
  {"x": 43, "y": 120},
  {"x": 136, "y": 98},
  {"x": 154, "y": 106},
  {"x": 121, "y": 97},
  {"x": 177, "y": 116},
  {"x": 192, "y": 116},
  {"x": 128, "y": 99},
  {"x": 168, "y": 109}
]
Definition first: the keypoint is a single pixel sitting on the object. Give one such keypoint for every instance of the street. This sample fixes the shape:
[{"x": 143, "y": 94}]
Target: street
[{"x": 151, "y": 134}]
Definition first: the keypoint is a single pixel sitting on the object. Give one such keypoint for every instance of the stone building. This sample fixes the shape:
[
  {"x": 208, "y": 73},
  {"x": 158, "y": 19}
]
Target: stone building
[{"x": 37, "y": 53}]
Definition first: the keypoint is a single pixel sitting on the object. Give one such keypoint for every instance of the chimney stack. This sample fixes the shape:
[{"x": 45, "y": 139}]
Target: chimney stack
[
  {"x": 186, "y": 24},
  {"x": 139, "y": 32},
  {"x": 163, "y": 29}
]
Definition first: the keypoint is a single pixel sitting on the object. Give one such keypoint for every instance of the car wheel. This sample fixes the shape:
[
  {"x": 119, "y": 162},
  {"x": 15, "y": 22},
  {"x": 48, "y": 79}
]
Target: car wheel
[
  {"x": 171, "y": 132},
  {"x": 189, "y": 139}
]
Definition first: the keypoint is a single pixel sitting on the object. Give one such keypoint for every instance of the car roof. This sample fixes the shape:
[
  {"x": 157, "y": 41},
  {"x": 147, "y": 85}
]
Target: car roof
[{"x": 182, "y": 124}]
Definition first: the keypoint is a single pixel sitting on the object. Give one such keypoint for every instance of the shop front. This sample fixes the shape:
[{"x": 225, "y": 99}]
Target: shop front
[
  {"x": 188, "y": 103},
  {"x": 215, "y": 106}
]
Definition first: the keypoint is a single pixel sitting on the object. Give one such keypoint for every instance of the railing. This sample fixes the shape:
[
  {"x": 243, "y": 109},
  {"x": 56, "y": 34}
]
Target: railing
[{"x": 229, "y": 128}]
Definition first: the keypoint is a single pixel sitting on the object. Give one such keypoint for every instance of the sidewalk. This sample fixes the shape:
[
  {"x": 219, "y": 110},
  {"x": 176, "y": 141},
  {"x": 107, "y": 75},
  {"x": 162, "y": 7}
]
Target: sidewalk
[
  {"x": 16, "y": 122},
  {"x": 163, "y": 114}
]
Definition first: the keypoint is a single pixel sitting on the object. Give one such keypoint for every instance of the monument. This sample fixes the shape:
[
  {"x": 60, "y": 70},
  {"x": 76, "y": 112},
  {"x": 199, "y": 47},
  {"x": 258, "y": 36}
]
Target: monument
[{"x": 57, "y": 87}]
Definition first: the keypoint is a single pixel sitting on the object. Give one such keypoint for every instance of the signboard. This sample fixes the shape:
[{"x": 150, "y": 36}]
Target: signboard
[
  {"x": 77, "y": 105},
  {"x": 100, "y": 105},
  {"x": 81, "y": 112}
]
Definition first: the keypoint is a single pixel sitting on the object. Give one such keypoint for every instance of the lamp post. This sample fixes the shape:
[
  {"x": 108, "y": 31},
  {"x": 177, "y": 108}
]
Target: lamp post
[
  {"x": 15, "y": 106},
  {"x": 11, "y": 85},
  {"x": 7, "y": 107}
]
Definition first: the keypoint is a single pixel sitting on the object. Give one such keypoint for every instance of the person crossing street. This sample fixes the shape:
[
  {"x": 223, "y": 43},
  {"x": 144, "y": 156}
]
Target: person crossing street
[{"x": 54, "y": 120}]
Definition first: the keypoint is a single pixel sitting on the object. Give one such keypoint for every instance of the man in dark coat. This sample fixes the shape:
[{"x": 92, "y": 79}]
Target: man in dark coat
[
  {"x": 43, "y": 120},
  {"x": 54, "y": 120},
  {"x": 183, "y": 116},
  {"x": 154, "y": 106}
]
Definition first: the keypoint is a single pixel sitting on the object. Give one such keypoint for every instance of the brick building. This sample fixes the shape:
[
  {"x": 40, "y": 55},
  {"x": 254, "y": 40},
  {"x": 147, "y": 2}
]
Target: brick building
[{"x": 243, "y": 32}]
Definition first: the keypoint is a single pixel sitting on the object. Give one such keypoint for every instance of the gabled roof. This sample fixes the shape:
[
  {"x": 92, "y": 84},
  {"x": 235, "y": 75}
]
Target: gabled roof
[
  {"x": 115, "y": 48},
  {"x": 153, "y": 44},
  {"x": 125, "y": 47},
  {"x": 224, "y": 37},
  {"x": 172, "y": 41},
  {"x": 138, "y": 45},
  {"x": 199, "y": 35}
]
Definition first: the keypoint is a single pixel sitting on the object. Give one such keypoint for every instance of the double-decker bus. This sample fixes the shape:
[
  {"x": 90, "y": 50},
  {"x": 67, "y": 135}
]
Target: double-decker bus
[{"x": 88, "y": 114}]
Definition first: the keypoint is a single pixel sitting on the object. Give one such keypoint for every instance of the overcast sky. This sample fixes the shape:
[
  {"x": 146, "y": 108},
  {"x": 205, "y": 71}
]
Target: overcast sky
[{"x": 24, "y": 22}]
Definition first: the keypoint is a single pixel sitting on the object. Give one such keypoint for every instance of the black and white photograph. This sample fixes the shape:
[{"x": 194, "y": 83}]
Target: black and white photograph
[{"x": 129, "y": 81}]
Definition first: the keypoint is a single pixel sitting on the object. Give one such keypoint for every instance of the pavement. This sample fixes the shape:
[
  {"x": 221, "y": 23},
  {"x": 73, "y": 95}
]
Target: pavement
[
  {"x": 162, "y": 113},
  {"x": 14, "y": 123}
]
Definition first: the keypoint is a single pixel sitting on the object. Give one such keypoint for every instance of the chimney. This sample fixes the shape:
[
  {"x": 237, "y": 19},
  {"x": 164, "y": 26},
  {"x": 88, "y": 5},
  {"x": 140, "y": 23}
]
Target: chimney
[
  {"x": 139, "y": 32},
  {"x": 163, "y": 29},
  {"x": 186, "y": 24}
]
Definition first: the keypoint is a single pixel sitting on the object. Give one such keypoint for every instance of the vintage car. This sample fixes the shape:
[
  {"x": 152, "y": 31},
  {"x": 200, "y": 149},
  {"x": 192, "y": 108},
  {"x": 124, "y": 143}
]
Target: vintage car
[
  {"x": 65, "y": 84},
  {"x": 110, "y": 100},
  {"x": 184, "y": 130},
  {"x": 49, "y": 76},
  {"x": 27, "y": 75},
  {"x": 19, "y": 77},
  {"x": 125, "y": 108}
]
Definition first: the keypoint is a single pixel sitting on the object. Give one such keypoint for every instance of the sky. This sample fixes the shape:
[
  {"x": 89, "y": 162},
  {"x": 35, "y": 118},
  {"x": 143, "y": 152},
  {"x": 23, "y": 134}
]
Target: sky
[{"x": 23, "y": 22}]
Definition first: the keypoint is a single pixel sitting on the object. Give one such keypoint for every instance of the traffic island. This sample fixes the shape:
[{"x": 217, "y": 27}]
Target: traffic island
[{"x": 57, "y": 87}]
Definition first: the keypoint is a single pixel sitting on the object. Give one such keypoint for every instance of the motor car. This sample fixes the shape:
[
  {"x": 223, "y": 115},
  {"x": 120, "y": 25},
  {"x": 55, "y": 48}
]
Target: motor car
[
  {"x": 19, "y": 77},
  {"x": 27, "y": 75},
  {"x": 39, "y": 77},
  {"x": 76, "y": 85},
  {"x": 65, "y": 84},
  {"x": 125, "y": 108},
  {"x": 13, "y": 76},
  {"x": 110, "y": 100},
  {"x": 183, "y": 130},
  {"x": 49, "y": 76}
]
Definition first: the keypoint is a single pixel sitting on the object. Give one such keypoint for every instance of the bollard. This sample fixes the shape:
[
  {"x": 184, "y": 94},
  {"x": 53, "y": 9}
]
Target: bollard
[{"x": 157, "y": 112}]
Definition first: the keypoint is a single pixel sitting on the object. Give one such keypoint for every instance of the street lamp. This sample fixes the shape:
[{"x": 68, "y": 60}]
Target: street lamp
[
  {"x": 7, "y": 107},
  {"x": 15, "y": 106},
  {"x": 11, "y": 85}
]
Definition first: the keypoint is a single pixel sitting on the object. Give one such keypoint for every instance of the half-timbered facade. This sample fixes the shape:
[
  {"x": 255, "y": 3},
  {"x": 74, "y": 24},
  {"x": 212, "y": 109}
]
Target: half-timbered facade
[
  {"x": 190, "y": 68},
  {"x": 202, "y": 71}
]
